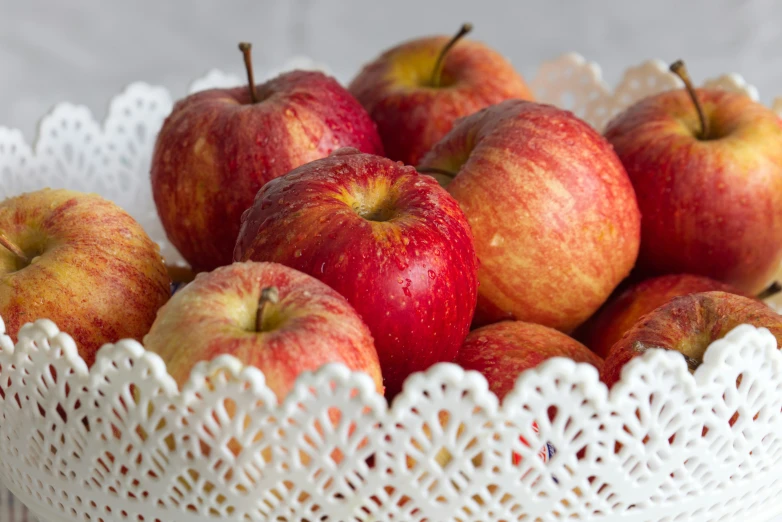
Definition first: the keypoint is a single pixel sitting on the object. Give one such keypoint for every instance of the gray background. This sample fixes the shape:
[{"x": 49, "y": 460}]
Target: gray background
[{"x": 85, "y": 52}]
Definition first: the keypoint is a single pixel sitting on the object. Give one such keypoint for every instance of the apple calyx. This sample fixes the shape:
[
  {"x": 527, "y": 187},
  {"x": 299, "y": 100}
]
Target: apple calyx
[
  {"x": 14, "y": 249},
  {"x": 246, "y": 49},
  {"x": 269, "y": 297},
  {"x": 679, "y": 69},
  {"x": 438, "y": 65},
  {"x": 772, "y": 290}
]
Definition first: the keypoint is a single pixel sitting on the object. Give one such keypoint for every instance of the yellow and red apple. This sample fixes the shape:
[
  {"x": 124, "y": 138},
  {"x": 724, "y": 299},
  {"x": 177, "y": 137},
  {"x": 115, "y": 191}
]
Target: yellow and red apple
[
  {"x": 689, "y": 324},
  {"x": 417, "y": 90},
  {"x": 389, "y": 239},
  {"x": 623, "y": 310},
  {"x": 501, "y": 351},
  {"x": 554, "y": 215},
  {"x": 82, "y": 262},
  {"x": 266, "y": 315},
  {"x": 219, "y": 147},
  {"x": 706, "y": 165}
]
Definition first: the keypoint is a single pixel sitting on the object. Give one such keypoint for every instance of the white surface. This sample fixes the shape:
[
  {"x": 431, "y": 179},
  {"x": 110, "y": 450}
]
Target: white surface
[{"x": 85, "y": 51}]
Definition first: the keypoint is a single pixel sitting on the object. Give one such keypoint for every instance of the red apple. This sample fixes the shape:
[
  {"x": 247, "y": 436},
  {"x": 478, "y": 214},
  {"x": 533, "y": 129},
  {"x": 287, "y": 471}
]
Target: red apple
[
  {"x": 266, "y": 315},
  {"x": 623, "y": 310},
  {"x": 393, "y": 242},
  {"x": 82, "y": 262},
  {"x": 710, "y": 190},
  {"x": 503, "y": 350},
  {"x": 553, "y": 213},
  {"x": 689, "y": 324},
  {"x": 416, "y": 90},
  {"x": 219, "y": 147}
]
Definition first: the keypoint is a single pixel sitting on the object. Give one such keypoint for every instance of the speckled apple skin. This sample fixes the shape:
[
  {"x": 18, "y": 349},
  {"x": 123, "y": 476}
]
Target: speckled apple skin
[
  {"x": 411, "y": 115},
  {"x": 501, "y": 351},
  {"x": 216, "y": 150},
  {"x": 624, "y": 309},
  {"x": 412, "y": 278},
  {"x": 688, "y": 324},
  {"x": 216, "y": 314},
  {"x": 553, "y": 212},
  {"x": 711, "y": 207},
  {"x": 94, "y": 271}
]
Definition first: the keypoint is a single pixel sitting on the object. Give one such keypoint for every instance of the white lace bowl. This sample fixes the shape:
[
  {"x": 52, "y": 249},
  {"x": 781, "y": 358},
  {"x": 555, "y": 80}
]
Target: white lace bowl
[{"x": 120, "y": 442}]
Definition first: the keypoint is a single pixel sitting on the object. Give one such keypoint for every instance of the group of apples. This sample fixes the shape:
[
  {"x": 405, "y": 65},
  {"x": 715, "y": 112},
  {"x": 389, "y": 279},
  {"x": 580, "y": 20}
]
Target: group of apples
[{"x": 432, "y": 211}]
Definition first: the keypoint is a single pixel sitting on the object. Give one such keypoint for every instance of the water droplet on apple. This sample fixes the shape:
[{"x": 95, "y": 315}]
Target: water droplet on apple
[
  {"x": 432, "y": 275},
  {"x": 497, "y": 240},
  {"x": 323, "y": 267}
]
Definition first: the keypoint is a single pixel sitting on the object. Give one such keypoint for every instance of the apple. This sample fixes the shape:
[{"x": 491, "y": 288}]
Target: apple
[
  {"x": 553, "y": 213},
  {"x": 389, "y": 239},
  {"x": 689, "y": 324},
  {"x": 217, "y": 148},
  {"x": 266, "y": 315},
  {"x": 416, "y": 90},
  {"x": 82, "y": 262},
  {"x": 707, "y": 169},
  {"x": 501, "y": 351},
  {"x": 625, "y": 308}
]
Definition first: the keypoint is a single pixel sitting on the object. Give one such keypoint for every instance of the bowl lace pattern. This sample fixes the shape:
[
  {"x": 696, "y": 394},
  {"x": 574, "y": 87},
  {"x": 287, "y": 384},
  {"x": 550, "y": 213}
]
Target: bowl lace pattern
[{"x": 120, "y": 442}]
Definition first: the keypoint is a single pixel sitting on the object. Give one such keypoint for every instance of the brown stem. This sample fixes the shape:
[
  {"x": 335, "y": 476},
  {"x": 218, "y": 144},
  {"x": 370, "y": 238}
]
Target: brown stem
[
  {"x": 11, "y": 247},
  {"x": 678, "y": 68},
  {"x": 435, "y": 170},
  {"x": 246, "y": 49},
  {"x": 772, "y": 290},
  {"x": 692, "y": 364},
  {"x": 438, "y": 65},
  {"x": 269, "y": 296}
]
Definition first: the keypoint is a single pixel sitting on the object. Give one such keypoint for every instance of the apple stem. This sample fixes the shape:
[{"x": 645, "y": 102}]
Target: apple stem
[
  {"x": 774, "y": 289},
  {"x": 692, "y": 364},
  {"x": 679, "y": 69},
  {"x": 269, "y": 296},
  {"x": 435, "y": 170},
  {"x": 15, "y": 250},
  {"x": 246, "y": 49},
  {"x": 438, "y": 65}
]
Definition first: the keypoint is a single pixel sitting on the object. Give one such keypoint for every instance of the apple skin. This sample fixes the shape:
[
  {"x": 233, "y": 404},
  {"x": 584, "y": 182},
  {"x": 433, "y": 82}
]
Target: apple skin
[
  {"x": 625, "y": 308},
  {"x": 389, "y": 239},
  {"x": 411, "y": 115},
  {"x": 93, "y": 269},
  {"x": 553, "y": 213},
  {"x": 689, "y": 324},
  {"x": 217, "y": 149},
  {"x": 501, "y": 351},
  {"x": 710, "y": 207},
  {"x": 216, "y": 314}
]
